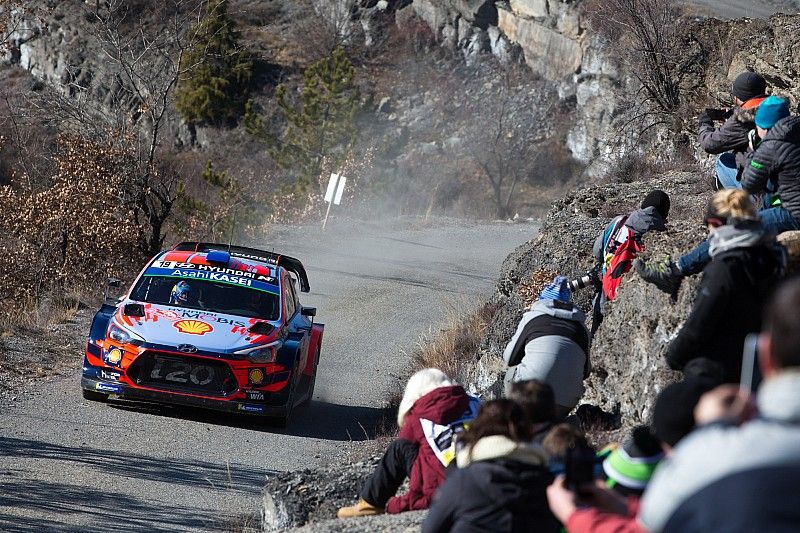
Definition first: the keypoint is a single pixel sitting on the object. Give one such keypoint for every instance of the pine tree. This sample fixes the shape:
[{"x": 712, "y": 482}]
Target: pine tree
[
  {"x": 217, "y": 70},
  {"x": 322, "y": 128}
]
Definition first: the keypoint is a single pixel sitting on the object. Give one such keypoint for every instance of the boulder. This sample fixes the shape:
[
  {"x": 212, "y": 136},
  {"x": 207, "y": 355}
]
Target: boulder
[
  {"x": 481, "y": 13},
  {"x": 530, "y": 8},
  {"x": 434, "y": 15},
  {"x": 546, "y": 51}
]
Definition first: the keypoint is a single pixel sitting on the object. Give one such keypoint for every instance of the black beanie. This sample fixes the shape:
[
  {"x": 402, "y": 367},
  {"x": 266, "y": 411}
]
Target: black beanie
[
  {"x": 673, "y": 413},
  {"x": 659, "y": 200},
  {"x": 749, "y": 85}
]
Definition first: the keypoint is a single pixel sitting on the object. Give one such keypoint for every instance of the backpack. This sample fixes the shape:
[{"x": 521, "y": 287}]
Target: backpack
[
  {"x": 620, "y": 249},
  {"x": 621, "y": 262},
  {"x": 442, "y": 439}
]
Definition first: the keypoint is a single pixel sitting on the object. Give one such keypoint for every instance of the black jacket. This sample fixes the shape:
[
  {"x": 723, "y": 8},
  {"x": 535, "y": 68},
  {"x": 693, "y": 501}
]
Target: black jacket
[
  {"x": 730, "y": 137},
  {"x": 777, "y": 158},
  {"x": 735, "y": 287},
  {"x": 498, "y": 490}
]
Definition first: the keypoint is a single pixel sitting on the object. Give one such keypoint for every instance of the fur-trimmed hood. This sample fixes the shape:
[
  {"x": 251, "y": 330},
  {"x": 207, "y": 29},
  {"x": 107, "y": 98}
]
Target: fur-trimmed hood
[{"x": 501, "y": 447}]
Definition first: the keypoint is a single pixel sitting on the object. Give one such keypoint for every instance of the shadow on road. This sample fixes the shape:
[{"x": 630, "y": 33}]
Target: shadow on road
[
  {"x": 320, "y": 420},
  {"x": 114, "y": 509}
]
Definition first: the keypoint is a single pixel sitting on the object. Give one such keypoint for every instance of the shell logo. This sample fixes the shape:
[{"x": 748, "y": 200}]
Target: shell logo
[{"x": 193, "y": 327}]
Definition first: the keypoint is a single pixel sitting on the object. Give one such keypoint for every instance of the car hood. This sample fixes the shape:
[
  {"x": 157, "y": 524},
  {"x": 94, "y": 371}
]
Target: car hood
[{"x": 214, "y": 332}]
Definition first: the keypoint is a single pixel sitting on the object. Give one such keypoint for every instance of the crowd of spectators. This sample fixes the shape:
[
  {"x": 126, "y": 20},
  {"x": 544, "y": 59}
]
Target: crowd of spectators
[{"x": 721, "y": 451}]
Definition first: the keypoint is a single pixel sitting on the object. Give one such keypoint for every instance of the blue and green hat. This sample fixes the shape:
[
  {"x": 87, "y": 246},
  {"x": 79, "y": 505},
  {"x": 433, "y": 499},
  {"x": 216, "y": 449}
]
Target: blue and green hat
[
  {"x": 633, "y": 464},
  {"x": 771, "y": 111}
]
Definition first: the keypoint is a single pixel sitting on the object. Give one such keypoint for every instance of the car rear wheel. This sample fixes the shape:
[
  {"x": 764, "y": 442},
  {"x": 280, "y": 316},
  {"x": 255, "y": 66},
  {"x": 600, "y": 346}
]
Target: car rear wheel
[
  {"x": 93, "y": 396},
  {"x": 313, "y": 381}
]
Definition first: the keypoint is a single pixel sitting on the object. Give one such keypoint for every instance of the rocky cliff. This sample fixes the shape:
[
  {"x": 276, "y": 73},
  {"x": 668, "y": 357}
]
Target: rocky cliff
[{"x": 552, "y": 38}]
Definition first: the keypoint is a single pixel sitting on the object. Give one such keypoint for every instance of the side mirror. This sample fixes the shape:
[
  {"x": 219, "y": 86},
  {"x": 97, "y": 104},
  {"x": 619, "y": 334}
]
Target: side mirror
[
  {"x": 308, "y": 311},
  {"x": 111, "y": 283},
  {"x": 136, "y": 310}
]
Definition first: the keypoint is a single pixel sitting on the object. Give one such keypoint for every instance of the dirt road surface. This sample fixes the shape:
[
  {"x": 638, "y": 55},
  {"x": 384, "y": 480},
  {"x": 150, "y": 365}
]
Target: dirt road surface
[
  {"x": 730, "y": 9},
  {"x": 67, "y": 464}
]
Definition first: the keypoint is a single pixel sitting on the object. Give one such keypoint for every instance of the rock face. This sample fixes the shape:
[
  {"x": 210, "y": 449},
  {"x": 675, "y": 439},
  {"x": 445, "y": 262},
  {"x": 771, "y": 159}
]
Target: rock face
[
  {"x": 546, "y": 51},
  {"x": 628, "y": 350}
]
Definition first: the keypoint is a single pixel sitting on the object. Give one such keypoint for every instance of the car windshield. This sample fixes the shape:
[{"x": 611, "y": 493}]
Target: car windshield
[{"x": 207, "y": 296}]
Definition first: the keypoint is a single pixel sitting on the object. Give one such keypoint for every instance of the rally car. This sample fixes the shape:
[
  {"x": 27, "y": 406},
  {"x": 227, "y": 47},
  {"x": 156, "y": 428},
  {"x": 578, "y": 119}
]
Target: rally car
[{"x": 212, "y": 326}]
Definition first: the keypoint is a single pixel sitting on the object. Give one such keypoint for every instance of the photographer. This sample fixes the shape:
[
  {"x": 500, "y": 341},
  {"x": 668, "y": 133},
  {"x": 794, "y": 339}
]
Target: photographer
[
  {"x": 615, "y": 248},
  {"x": 731, "y": 140},
  {"x": 551, "y": 344}
]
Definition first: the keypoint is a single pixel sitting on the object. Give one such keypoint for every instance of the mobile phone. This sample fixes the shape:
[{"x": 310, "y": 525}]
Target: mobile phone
[
  {"x": 578, "y": 468},
  {"x": 751, "y": 374}
]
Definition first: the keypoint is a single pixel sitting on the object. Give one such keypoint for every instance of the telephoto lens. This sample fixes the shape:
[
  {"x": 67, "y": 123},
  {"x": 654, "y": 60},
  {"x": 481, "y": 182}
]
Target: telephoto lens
[{"x": 580, "y": 283}]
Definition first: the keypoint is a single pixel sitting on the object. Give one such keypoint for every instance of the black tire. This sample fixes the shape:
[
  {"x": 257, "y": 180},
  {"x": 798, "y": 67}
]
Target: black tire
[
  {"x": 93, "y": 396},
  {"x": 313, "y": 383}
]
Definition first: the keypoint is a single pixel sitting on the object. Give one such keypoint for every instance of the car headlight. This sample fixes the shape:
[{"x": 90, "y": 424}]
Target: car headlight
[
  {"x": 266, "y": 353},
  {"x": 123, "y": 336}
]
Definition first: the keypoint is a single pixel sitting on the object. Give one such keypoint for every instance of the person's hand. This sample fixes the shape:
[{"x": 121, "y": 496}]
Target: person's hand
[
  {"x": 753, "y": 140},
  {"x": 562, "y": 501},
  {"x": 725, "y": 403}
]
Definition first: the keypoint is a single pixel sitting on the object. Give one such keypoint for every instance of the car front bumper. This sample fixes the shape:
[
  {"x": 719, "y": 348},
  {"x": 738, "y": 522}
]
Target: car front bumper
[{"x": 97, "y": 379}]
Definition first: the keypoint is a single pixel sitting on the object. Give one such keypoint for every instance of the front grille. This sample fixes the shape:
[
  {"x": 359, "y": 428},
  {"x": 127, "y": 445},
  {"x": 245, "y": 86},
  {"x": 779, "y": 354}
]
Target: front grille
[{"x": 173, "y": 372}]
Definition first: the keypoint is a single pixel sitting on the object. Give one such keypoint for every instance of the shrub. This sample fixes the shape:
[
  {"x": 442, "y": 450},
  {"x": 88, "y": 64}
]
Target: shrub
[
  {"x": 217, "y": 71},
  {"x": 77, "y": 230}
]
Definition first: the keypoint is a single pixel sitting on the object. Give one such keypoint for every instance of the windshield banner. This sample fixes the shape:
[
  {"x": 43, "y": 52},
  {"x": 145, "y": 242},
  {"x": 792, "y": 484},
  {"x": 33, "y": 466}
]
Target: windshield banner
[{"x": 230, "y": 276}]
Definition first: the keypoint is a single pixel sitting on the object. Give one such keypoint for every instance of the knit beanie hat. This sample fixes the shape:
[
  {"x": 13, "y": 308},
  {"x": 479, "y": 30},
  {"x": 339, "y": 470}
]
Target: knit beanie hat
[
  {"x": 659, "y": 200},
  {"x": 771, "y": 111},
  {"x": 557, "y": 290},
  {"x": 749, "y": 85},
  {"x": 632, "y": 464},
  {"x": 673, "y": 413}
]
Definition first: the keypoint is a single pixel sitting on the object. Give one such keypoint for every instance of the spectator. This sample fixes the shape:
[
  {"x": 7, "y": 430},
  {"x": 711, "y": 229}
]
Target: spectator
[
  {"x": 501, "y": 481},
  {"x": 733, "y": 478},
  {"x": 551, "y": 344},
  {"x": 429, "y": 399},
  {"x": 561, "y": 438},
  {"x": 776, "y": 159},
  {"x": 606, "y": 510},
  {"x": 617, "y": 246},
  {"x": 629, "y": 467},
  {"x": 539, "y": 404},
  {"x": 731, "y": 139},
  {"x": 673, "y": 412},
  {"x": 735, "y": 285}
]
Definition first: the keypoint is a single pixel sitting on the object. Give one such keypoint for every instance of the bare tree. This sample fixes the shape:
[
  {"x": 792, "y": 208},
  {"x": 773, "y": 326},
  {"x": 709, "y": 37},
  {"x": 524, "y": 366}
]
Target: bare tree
[
  {"x": 508, "y": 135},
  {"x": 645, "y": 34}
]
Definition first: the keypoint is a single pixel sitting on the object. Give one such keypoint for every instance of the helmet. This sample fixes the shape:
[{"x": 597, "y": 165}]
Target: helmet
[{"x": 180, "y": 293}]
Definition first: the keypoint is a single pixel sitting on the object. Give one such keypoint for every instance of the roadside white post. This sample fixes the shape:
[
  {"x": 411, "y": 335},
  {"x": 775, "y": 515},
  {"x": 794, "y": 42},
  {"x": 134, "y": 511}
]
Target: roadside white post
[{"x": 333, "y": 194}]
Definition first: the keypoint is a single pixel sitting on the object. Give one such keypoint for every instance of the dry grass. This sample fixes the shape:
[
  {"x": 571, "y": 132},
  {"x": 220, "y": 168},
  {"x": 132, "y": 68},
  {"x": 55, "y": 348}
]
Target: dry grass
[
  {"x": 531, "y": 289},
  {"x": 455, "y": 346},
  {"x": 40, "y": 314}
]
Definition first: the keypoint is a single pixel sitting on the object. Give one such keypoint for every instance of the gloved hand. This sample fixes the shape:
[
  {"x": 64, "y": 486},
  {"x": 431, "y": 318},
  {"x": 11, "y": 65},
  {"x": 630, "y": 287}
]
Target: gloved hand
[
  {"x": 718, "y": 114},
  {"x": 753, "y": 140}
]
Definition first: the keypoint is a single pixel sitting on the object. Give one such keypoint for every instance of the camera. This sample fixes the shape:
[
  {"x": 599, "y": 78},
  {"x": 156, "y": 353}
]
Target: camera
[{"x": 590, "y": 279}]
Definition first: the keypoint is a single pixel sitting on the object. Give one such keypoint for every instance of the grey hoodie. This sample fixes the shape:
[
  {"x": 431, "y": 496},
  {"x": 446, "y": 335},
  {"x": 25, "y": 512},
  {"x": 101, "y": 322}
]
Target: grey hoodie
[{"x": 555, "y": 342}]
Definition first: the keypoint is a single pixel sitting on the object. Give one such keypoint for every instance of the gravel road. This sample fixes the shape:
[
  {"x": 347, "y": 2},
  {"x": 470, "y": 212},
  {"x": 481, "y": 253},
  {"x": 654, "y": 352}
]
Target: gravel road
[
  {"x": 71, "y": 465},
  {"x": 729, "y": 9}
]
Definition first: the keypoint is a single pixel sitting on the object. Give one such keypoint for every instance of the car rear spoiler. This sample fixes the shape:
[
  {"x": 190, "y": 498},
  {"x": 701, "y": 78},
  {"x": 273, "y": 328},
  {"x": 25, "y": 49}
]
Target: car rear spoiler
[{"x": 270, "y": 258}]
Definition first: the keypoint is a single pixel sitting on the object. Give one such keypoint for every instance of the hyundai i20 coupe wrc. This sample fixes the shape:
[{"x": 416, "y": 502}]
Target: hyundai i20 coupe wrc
[{"x": 212, "y": 326}]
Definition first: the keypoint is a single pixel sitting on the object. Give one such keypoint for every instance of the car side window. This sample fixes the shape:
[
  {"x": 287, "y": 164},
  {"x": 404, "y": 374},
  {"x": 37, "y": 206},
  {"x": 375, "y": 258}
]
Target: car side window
[{"x": 288, "y": 297}]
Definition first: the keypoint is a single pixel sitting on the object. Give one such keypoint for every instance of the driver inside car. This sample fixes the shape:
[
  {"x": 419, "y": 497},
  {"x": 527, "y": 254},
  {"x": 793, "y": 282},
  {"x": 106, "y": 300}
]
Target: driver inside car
[{"x": 184, "y": 294}]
